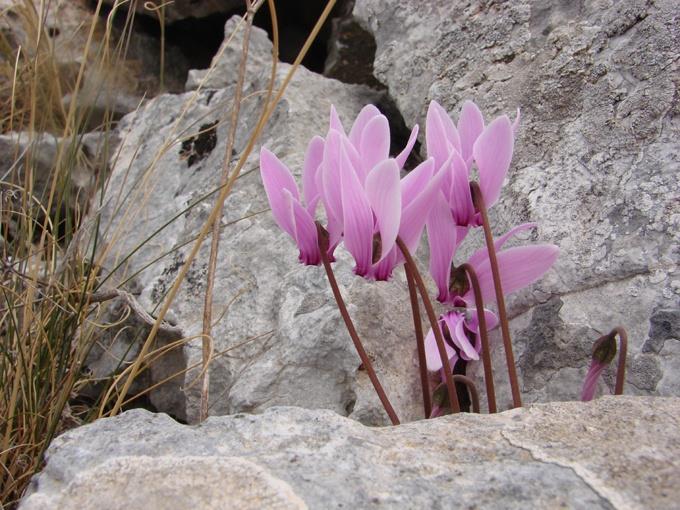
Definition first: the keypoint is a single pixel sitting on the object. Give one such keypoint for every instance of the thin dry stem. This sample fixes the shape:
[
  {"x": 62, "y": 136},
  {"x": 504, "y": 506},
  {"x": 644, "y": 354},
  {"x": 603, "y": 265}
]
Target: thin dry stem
[{"x": 215, "y": 241}]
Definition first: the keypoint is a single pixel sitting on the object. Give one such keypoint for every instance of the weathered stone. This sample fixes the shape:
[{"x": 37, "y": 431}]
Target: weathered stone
[
  {"x": 611, "y": 453},
  {"x": 278, "y": 336},
  {"x": 595, "y": 162}
]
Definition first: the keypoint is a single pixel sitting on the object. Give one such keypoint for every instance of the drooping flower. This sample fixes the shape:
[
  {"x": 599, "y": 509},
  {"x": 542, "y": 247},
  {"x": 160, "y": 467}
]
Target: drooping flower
[
  {"x": 368, "y": 205},
  {"x": 518, "y": 266},
  {"x": 604, "y": 351},
  {"x": 284, "y": 199},
  {"x": 489, "y": 147}
]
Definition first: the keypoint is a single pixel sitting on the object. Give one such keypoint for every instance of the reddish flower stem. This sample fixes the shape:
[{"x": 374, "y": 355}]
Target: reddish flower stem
[
  {"x": 472, "y": 389},
  {"x": 418, "y": 326},
  {"x": 434, "y": 324},
  {"x": 484, "y": 335},
  {"x": 502, "y": 315},
  {"x": 623, "y": 351},
  {"x": 365, "y": 360}
]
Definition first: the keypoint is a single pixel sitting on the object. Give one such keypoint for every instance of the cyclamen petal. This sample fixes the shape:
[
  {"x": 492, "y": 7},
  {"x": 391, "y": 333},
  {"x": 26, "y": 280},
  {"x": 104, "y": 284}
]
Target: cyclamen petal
[
  {"x": 470, "y": 126},
  {"x": 335, "y": 121},
  {"x": 455, "y": 323},
  {"x": 306, "y": 235},
  {"x": 518, "y": 267},
  {"x": 357, "y": 217},
  {"x": 375, "y": 142},
  {"x": 367, "y": 113},
  {"x": 415, "y": 214},
  {"x": 432, "y": 357},
  {"x": 590, "y": 383},
  {"x": 478, "y": 256},
  {"x": 460, "y": 197},
  {"x": 493, "y": 152},
  {"x": 404, "y": 154},
  {"x": 415, "y": 181},
  {"x": 276, "y": 179},
  {"x": 384, "y": 196},
  {"x": 330, "y": 175},
  {"x": 441, "y": 237},
  {"x": 440, "y": 133},
  {"x": 310, "y": 170}
]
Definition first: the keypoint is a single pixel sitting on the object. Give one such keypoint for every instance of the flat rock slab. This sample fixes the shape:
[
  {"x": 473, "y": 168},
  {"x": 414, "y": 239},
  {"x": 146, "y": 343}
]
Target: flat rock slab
[{"x": 615, "y": 452}]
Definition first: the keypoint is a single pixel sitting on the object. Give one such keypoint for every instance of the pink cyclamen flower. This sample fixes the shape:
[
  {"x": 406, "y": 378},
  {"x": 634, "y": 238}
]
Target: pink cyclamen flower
[
  {"x": 489, "y": 147},
  {"x": 518, "y": 266},
  {"x": 368, "y": 205},
  {"x": 604, "y": 351},
  {"x": 284, "y": 199},
  {"x": 460, "y": 330}
]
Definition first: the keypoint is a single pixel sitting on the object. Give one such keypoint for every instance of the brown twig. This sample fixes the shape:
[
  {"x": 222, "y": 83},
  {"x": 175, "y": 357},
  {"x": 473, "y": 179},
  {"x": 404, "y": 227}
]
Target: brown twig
[
  {"x": 418, "y": 326},
  {"x": 484, "y": 335},
  {"x": 215, "y": 241},
  {"x": 623, "y": 351},
  {"x": 472, "y": 390},
  {"x": 365, "y": 360},
  {"x": 434, "y": 324},
  {"x": 500, "y": 300}
]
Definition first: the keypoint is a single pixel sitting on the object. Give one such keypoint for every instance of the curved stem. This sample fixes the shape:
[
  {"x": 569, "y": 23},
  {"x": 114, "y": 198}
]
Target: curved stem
[
  {"x": 472, "y": 390},
  {"x": 365, "y": 360},
  {"x": 484, "y": 336},
  {"x": 621, "y": 368},
  {"x": 418, "y": 326},
  {"x": 502, "y": 315},
  {"x": 434, "y": 324}
]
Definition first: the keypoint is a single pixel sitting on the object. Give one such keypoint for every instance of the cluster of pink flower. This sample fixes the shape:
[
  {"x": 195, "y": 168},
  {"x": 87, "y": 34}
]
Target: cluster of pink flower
[{"x": 379, "y": 216}]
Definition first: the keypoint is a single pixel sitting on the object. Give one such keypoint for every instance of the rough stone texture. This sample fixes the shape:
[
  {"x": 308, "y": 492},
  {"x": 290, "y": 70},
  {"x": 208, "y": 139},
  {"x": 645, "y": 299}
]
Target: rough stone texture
[
  {"x": 595, "y": 163},
  {"x": 611, "y": 453},
  {"x": 277, "y": 332}
]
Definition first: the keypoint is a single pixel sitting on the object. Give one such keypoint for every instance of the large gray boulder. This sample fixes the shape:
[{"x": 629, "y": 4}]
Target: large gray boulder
[
  {"x": 595, "y": 162},
  {"x": 611, "y": 453},
  {"x": 278, "y": 336}
]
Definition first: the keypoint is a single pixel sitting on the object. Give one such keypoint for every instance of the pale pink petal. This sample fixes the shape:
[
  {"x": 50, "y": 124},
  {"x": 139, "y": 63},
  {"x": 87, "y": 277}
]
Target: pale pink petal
[
  {"x": 470, "y": 126},
  {"x": 330, "y": 177},
  {"x": 383, "y": 269},
  {"x": 472, "y": 324},
  {"x": 276, "y": 179},
  {"x": 306, "y": 235},
  {"x": 432, "y": 357},
  {"x": 415, "y": 181},
  {"x": 365, "y": 115},
  {"x": 460, "y": 198},
  {"x": 441, "y": 236},
  {"x": 455, "y": 322},
  {"x": 518, "y": 267},
  {"x": 492, "y": 153},
  {"x": 404, "y": 154},
  {"x": 440, "y": 134},
  {"x": 375, "y": 142},
  {"x": 590, "y": 384},
  {"x": 478, "y": 256},
  {"x": 335, "y": 122},
  {"x": 384, "y": 195},
  {"x": 357, "y": 217},
  {"x": 415, "y": 214},
  {"x": 310, "y": 171}
]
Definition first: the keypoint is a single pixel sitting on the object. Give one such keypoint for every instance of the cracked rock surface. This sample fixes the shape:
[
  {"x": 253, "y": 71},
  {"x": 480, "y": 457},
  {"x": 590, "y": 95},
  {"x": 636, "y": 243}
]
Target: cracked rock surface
[
  {"x": 617, "y": 452},
  {"x": 595, "y": 162},
  {"x": 277, "y": 333}
]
